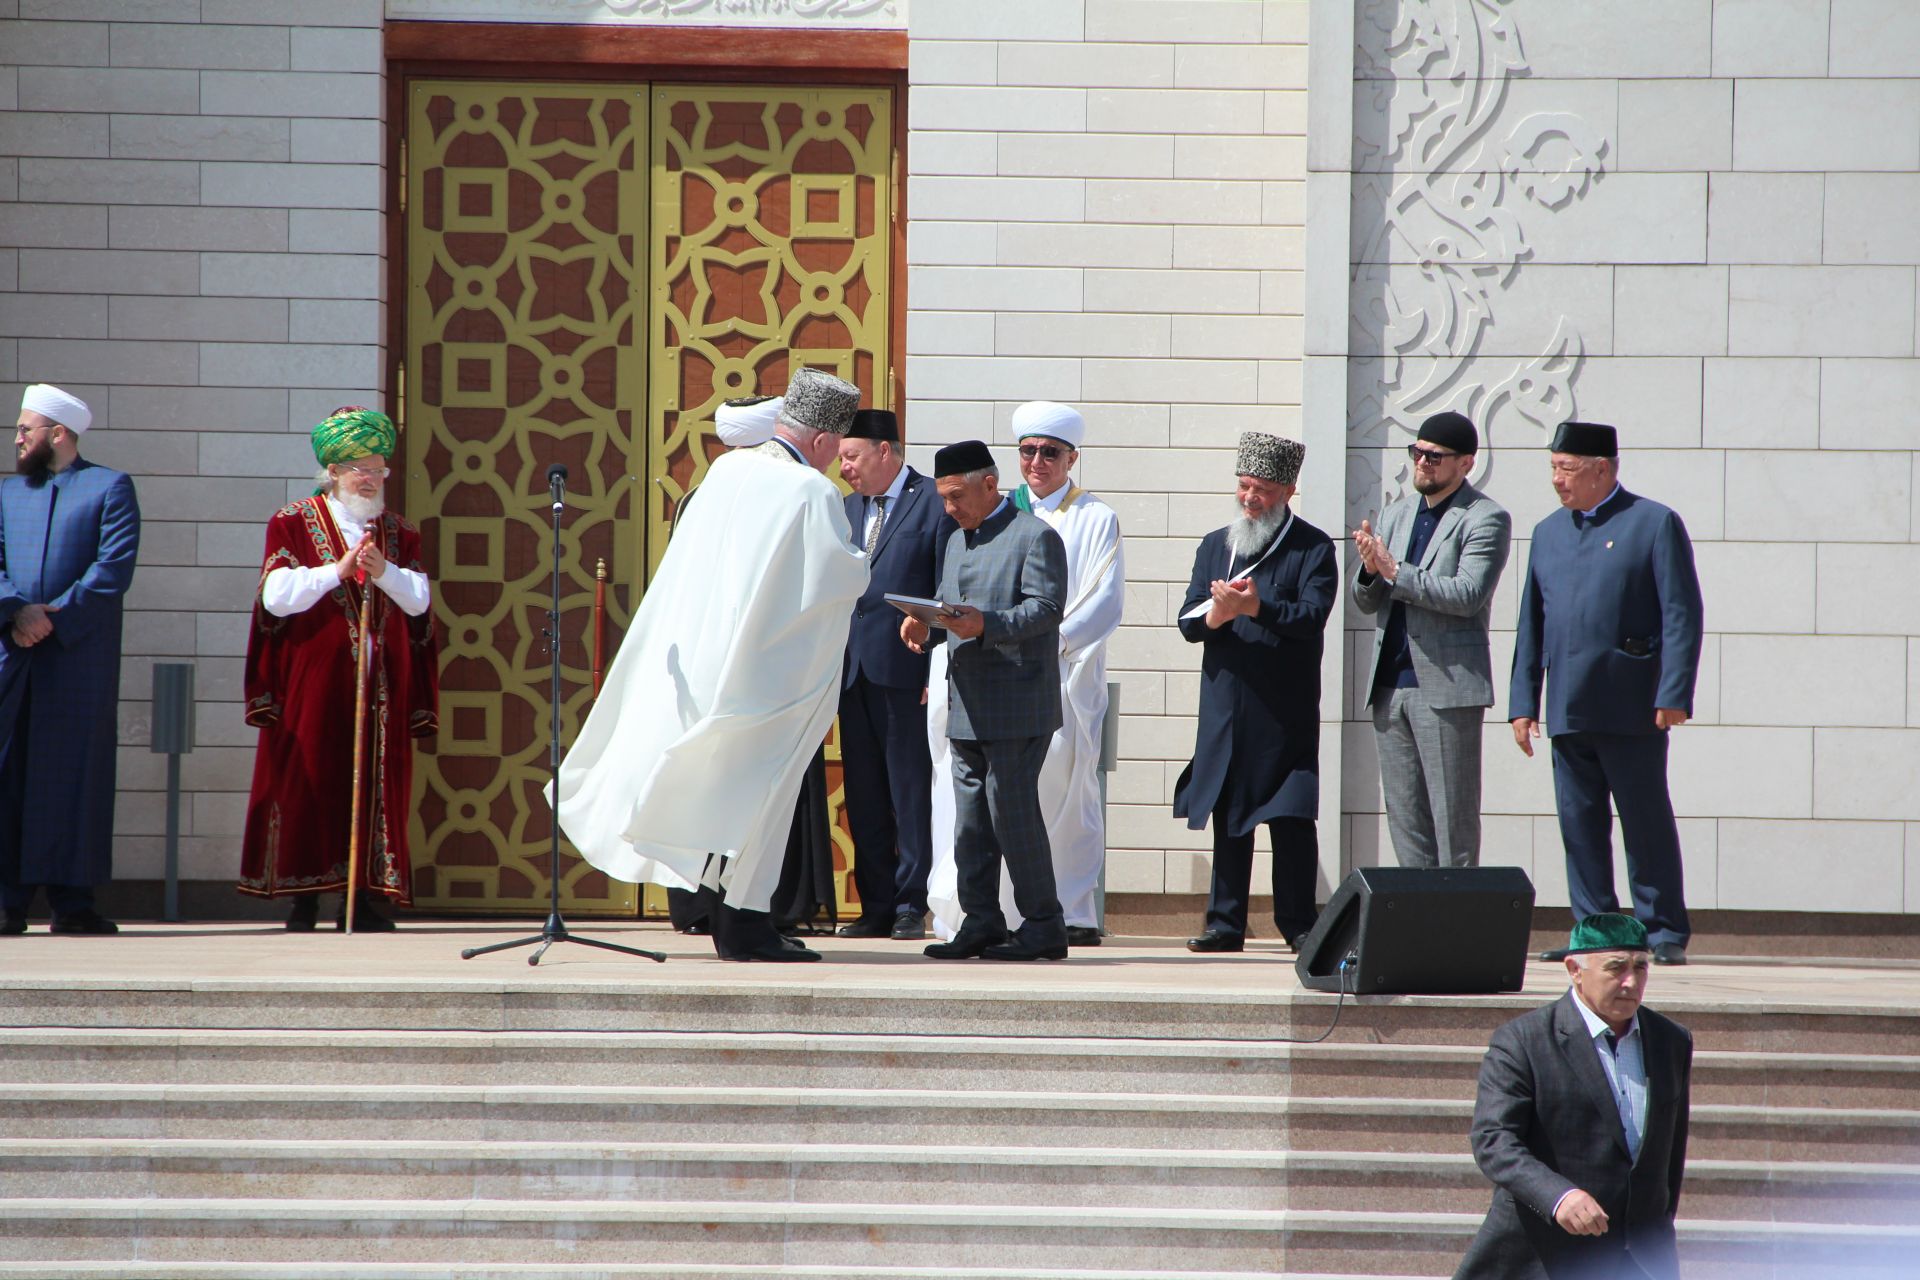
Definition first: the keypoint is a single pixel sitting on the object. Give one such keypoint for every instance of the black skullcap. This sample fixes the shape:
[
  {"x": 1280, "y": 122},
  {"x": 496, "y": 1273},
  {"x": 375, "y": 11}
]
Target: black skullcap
[
  {"x": 1585, "y": 439},
  {"x": 960, "y": 459},
  {"x": 875, "y": 424},
  {"x": 1451, "y": 430}
]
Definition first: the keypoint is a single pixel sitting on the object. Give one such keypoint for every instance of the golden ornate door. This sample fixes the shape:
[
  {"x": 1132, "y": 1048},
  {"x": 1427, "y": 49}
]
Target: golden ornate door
[{"x": 590, "y": 270}]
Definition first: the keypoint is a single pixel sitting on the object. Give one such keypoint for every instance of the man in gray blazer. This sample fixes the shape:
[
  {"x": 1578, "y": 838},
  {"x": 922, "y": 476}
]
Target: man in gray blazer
[
  {"x": 1005, "y": 580},
  {"x": 1428, "y": 578}
]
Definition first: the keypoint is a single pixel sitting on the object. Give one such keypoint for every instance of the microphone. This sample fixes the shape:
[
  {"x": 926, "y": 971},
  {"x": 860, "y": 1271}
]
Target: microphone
[{"x": 557, "y": 483}]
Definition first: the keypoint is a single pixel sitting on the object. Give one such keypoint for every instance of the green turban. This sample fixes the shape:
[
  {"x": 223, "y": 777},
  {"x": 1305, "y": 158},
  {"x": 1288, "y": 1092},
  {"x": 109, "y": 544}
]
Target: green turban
[
  {"x": 354, "y": 433},
  {"x": 1608, "y": 931}
]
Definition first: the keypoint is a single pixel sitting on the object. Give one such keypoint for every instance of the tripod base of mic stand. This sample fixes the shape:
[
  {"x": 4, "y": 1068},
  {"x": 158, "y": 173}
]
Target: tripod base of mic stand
[{"x": 556, "y": 931}]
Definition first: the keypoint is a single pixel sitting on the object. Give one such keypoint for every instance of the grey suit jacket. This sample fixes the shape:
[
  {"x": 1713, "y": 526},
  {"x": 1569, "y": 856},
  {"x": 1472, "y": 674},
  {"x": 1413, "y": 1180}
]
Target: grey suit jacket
[
  {"x": 1006, "y": 682},
  {"x": 1448, "y": 595}
]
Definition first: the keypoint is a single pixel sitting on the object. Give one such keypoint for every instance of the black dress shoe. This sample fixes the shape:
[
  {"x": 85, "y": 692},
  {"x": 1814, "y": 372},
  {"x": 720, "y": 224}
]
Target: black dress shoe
[
  {"x": 366, "y": 919},
  {"x": 83, "y": 922},
  {"x": 698, "y": 929},
  {"x": 965, "y": 945},
  {"x": 1217, "y": 940},
  {"x": 1669, "y": 953},
  {"x": 1015, "y": 949},
  {"x": 1553, "y": 955},
  {"x": 1081, "y": 935},
  {"x": 11, "y": 924},
  {"x": 867, "y": 927},
  {"x": 305, "y": 913},
  {"x": 787, "y": 952},
  {"x": 909, "y": 926}
]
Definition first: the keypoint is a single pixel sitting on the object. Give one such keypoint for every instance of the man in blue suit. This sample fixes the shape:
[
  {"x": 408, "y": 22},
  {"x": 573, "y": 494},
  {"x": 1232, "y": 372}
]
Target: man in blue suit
[
  {"x": 69, "y": 532},
  {"x": 898, "y": 519},
  {"x": 1611, "y": 618}
]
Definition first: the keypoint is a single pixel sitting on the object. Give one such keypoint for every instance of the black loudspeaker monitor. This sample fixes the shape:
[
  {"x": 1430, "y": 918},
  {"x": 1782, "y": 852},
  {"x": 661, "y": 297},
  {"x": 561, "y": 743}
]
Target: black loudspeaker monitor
[{"x": 1415, "y": 931}]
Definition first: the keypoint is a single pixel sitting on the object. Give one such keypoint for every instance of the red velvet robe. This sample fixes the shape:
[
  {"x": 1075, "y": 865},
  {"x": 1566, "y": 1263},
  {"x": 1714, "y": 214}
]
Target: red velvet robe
[{"x": 300, "y": 689}]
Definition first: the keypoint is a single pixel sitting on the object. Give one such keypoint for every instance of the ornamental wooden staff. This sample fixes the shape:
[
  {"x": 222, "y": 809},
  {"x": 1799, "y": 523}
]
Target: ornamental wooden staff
[
  {"x": 363, "y": 669},
  {"x": 599, "y": 621}
]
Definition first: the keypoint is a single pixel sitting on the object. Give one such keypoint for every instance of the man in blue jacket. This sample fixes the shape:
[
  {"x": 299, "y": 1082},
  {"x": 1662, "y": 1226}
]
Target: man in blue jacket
[
  {"x": 1611, "y": 618},
  {"x": 69, "y": 532},
  {"x": 898, "y": 520}
]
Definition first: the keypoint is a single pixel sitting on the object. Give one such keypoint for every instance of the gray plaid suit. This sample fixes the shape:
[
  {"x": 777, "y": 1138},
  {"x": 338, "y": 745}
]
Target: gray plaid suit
[{"x": 1003, "y": 706}]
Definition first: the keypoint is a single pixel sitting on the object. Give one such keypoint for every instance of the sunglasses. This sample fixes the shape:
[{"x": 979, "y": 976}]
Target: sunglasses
[
  {"x": 1051, "y": 452},
  {"x": 1432, "y": 457}
]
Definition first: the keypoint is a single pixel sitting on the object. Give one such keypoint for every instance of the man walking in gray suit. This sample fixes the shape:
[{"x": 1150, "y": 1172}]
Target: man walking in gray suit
[
  {"x": 1005, "y": 580},
  {"x": 1428, "y": 578}
]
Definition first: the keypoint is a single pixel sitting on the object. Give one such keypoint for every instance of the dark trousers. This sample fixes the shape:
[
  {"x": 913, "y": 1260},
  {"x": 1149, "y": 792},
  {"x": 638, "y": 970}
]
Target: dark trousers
[
  {"x": 888, "y": 770},
  {"x": 1296, "y": 854},
  {"x": 996, "y": 800},
  {"x": 1632, "y": 769},
  {"x": 16, "y": 898}
]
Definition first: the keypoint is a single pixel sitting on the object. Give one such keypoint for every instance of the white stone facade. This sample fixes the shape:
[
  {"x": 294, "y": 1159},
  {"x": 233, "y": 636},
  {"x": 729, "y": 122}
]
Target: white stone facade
[
  {"x": 1695, "y": 220},
  {"x": 1106, "y": 203},
  {"x": 191, "y": 240}
]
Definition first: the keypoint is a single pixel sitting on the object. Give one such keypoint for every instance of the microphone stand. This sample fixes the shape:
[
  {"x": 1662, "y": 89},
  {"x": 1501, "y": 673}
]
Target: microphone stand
[{"x": 556, "y": 928}]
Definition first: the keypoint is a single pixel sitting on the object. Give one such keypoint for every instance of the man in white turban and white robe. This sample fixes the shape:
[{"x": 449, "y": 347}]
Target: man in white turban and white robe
[
  {"x": 1049, "y": 437},
  {"x": 728, "y": 679}
]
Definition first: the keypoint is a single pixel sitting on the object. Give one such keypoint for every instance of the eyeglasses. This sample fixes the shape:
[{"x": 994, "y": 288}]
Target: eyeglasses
[
  {"x": 371, "y": 473},
  {"x": 1432, "y": 457},
  {"x": 1051, "y": 452}
]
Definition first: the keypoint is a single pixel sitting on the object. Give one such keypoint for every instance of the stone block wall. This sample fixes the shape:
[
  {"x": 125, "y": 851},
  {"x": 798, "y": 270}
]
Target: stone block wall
[
  {"x": 1693, "y": 219},
  {"x": 1107, "y": 200},
  {"x": 192, "y": 240}
]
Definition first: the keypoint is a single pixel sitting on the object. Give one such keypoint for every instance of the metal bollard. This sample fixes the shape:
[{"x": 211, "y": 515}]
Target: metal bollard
[
  {"x": 173, "y": 733},
  {"x": 1109, "y": 761}
]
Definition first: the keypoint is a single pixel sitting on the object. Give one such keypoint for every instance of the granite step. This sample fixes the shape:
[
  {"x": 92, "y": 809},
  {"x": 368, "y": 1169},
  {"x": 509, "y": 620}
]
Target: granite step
[
  {"x": 897, "y": 1117},
  {"x": 156, "y": 1056},
  {"x": 1195, "y": 1240},
  {"x": 857, "y": 1006},
  {"x": 597, "y": 1271},
  {"x": 188, "y": 1169}
]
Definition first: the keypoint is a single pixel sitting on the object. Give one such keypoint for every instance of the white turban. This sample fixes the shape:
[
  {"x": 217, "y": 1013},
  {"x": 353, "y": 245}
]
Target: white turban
[
  {"x": 1045, "y": 418},
  {"x": 746, "y": 422},
  {"x": 70, "y": 412}
]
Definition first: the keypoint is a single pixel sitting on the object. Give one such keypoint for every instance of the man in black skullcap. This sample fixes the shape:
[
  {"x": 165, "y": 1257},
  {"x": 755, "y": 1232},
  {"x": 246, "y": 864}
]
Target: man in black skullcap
[
  {"x": 1005, "y": 576},
  {"x": 897, "y": 519},
  {"x": 1428, "y": 578},
  {"x": 1611, "y": 619}
]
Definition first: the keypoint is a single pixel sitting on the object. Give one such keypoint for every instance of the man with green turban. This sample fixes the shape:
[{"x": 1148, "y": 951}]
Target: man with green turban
[
  {"x": 1581, "y": 1124},
  {"x": 326, "y": 557}
]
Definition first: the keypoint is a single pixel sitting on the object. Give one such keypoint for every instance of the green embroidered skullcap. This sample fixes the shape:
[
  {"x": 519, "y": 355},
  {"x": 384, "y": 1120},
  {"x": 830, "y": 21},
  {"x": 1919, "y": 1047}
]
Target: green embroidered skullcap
[
  {"x": 1607, "y": 931},
  {"x": 353, "y": 431}
]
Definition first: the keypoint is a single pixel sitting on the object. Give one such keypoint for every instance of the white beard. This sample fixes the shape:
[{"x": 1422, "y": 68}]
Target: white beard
[
  {"x": 365, "y": 510},
  {"x": 1248, "y": 536}
]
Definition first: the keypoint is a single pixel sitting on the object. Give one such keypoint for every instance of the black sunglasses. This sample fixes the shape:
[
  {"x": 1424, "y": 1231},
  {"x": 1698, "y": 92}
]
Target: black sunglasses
[{"x": 1050, "y": 452}]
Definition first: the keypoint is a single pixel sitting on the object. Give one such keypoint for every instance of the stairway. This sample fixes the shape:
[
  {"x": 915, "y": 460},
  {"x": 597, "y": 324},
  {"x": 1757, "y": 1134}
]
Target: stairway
[{"x": 327, "y": 1131}]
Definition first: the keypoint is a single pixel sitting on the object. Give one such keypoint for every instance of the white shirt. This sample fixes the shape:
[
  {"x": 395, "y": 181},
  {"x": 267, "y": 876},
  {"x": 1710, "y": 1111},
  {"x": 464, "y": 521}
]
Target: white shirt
[
  {"x": 875, "y": 517},
  {"x": 288, "y": 591}
]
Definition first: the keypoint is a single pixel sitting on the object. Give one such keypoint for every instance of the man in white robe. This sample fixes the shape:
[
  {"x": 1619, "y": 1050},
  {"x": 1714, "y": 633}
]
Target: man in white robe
[
  {"x": 727, "y": 682},
  {"x": 1050, "y": 436}
]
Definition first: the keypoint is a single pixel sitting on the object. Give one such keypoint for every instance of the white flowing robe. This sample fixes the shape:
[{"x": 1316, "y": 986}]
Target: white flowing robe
[
  {"x": 723, "y": 688},
  {"x": 1070, "y": 779}
]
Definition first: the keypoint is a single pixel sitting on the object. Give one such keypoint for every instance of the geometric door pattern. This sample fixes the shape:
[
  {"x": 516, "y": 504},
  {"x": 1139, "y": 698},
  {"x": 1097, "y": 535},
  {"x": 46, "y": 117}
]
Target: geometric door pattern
[{"x": 591, "y": 268}]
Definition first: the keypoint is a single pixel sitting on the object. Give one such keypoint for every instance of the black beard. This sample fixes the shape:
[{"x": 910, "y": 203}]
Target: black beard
[{"x": 36, "y": 462}]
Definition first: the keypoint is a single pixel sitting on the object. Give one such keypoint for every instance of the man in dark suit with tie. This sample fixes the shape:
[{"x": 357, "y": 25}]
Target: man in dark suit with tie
[
  {"x": 897, "y": 518},
  {"x": 69, "y": 535},
  {"x": 1581, "y": 1125},
  {"x": 1262, "y": 592},
  {"x": 1005, "y": 578},
  {"x": 1611, "y": 618}
]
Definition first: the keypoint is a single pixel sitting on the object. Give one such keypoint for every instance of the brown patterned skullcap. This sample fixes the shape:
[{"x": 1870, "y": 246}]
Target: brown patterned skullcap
[
  {"x": 821, "y": 401},
  {"x": 1266, "y": 457}
]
